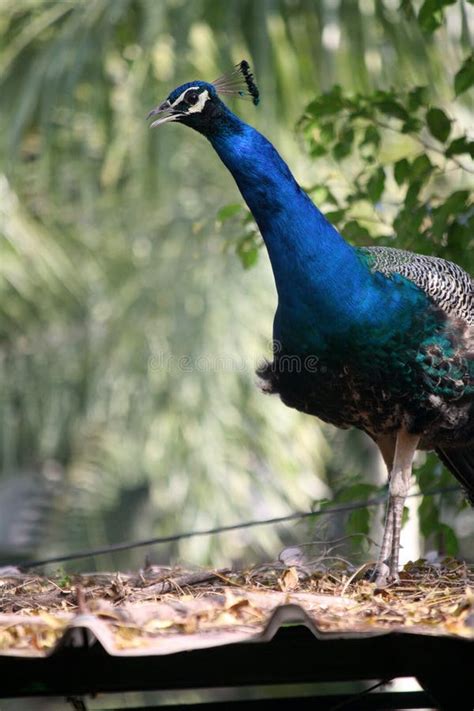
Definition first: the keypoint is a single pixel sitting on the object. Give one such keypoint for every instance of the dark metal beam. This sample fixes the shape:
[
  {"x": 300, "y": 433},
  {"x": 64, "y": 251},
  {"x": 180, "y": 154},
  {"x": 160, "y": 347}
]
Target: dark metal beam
[
  {"x": 326, "y": 702},
  {"x": 293, "y": 656}
]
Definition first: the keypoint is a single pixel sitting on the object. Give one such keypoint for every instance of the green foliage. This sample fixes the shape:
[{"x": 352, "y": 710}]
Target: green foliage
[
  {"x": 247, "y": 250},
  {"x": 464, "y": 78},
  {"x": 430, "y": 476},
  {"x": 385, "y": 192},
  {"x": 245, "y": 239},
  {"x": 403, "y": 170},
  {"x": 375, "y": 185},
  {"x": 431, "y": 15},
  {"x": 229, "y": 211},
  {"x": 438, "y": 123},
  {"x": 63, "y": 580},
  {"x": 413, "y": 195},
  {"x": 460, "y": 146},
  {"x": 358, "y": 522}
]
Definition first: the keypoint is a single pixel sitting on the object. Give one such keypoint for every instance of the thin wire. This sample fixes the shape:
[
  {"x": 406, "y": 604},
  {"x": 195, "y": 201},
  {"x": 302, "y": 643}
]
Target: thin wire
[
  {"x": 125, "y": 546},
  {"x": 359, "y": 695}
]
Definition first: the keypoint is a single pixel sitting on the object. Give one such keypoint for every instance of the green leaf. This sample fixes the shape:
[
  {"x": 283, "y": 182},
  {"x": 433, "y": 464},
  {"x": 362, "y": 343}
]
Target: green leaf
[
  {"x": 354, "y": 232},
  {"x": 411, "y": 198},
  {"x": 344, "y": 145},
  {"x": 407, "y": 222},
  {"x": 328, "y": 104},
  {"x": 228, "y": 211},
  {"x": 321, "y": 194},
  {"x": 431, "y": 14},
  {"x": 457, "y": 201},
  {"x": 341, "y": 150},
  {"x": 464, "y": 79},
  {"x": 427, "y": 474},
  {"x": 358, "y": 521},
  {"x": 371, "y": 137},
  {"x": 369, "y": 144},
  {"x": 438, "y": 123},
  {"x": 405, "y": 515},
  {"x": 430, "y": 18},
  {"x": 458, "y": 235},
  {"x": 417, "y": 97},
  {"x": 316, "y": 150},
  {"x": 421, "y": 168},
  {"x": 247, "y": 251},
  {"x": 356, "y": 492},
  {"x": 406, "y": 8},
  {"x": 375, "y": 185},
  {"x": 449, "y": 541},
  {"x": 459, "y": 146},
  {"x": 401, "y": 171},
  {"x": 412, "y": 125},
  {"x": 429, "y": 516},
  {"x": 327, "y": 132},
  {"x": 390, "y": 107},
  {"x": 451, "y": 210},
  {"x": 335, "y": 216}
]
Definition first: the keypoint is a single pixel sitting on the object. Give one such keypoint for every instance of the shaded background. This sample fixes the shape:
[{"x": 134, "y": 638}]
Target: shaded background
[{"x": 129, "y": 331}]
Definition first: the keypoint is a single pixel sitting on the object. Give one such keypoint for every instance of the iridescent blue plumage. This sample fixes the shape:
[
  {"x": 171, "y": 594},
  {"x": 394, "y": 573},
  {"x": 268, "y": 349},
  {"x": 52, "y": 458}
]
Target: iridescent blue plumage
[{"x": 374, "y": 338}]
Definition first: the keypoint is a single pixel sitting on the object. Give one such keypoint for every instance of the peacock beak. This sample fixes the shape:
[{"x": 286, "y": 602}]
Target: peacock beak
[{"x": 165, "y": 113}]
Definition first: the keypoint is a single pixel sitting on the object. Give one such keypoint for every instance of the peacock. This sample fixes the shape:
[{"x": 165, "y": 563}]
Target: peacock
[{"x": 376, "y": 338}]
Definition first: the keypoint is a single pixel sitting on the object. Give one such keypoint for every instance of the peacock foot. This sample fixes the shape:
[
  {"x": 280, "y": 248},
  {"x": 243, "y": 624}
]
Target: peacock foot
[{"x": 384, "y": 575}]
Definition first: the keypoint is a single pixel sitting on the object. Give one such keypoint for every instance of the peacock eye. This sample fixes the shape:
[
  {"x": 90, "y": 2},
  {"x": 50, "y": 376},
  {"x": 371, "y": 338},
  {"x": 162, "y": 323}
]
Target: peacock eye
[{"x": 191, "y": 97}]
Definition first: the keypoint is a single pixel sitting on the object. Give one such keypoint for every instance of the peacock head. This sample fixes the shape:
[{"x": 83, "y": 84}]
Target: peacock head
[{"x": 198, "y": 105}]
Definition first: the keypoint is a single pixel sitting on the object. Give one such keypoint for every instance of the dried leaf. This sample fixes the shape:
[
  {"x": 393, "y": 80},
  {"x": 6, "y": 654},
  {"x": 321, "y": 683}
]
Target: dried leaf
[{"x": 289, "y": 580}]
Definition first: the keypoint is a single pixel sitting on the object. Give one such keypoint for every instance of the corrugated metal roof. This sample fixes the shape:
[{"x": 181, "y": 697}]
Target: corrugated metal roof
[{"x": 161, "y": 612}]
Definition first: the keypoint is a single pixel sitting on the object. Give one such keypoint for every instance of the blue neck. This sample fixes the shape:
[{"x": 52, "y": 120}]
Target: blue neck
[{"x": 323, "y": 286}]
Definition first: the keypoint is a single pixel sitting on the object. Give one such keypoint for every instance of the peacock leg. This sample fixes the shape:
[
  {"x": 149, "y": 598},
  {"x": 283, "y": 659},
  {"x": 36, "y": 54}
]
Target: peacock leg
[
  {"x": 382, "y": 570},
  {"x": 400, "y": 479},
  {"x": 386, "y": 445}
]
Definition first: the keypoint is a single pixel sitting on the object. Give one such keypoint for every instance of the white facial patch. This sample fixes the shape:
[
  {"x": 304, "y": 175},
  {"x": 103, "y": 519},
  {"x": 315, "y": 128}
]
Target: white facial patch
[
  {"x": 182, "y": 95},
  {"x": 199, "y": 105}
]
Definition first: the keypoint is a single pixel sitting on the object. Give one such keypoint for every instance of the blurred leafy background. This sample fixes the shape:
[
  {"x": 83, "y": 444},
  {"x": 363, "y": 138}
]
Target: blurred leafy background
[{"x": 129, "y": 331}]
